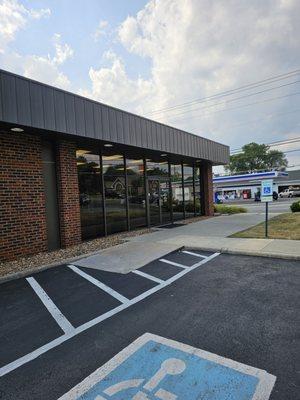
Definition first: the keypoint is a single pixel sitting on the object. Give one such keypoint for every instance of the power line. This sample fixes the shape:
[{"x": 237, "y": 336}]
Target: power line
[
  {"x": 276, "y": 143},
  {"x": 231, "y": 91},
  {"x": 262, "y": 119},
  {"x": 235, "y": 99},
  {"x": 241, "y": 106}
]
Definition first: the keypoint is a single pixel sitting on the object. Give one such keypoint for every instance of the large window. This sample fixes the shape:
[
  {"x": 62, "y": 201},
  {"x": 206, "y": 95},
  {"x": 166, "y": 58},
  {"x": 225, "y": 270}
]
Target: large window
[
  {"x": 177, "y": 191},
  {"x": 115, "y": 192},
  {"x": 136, "y": 192},
  {"x": 158, "y": 191},
  {"x": 90, "y": 197},
  {"x": 197, "y": 191},
  {"x": 188, "y": 190}
]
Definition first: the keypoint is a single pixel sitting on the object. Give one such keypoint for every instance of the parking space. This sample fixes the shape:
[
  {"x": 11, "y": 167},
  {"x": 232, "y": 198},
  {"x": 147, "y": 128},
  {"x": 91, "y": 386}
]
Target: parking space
[
  {"x": 77, "y": 299},
  {"x": 25, "y": 324},
  {"x": 222, "y": 314},
  {"x": 42, "y": 311}
]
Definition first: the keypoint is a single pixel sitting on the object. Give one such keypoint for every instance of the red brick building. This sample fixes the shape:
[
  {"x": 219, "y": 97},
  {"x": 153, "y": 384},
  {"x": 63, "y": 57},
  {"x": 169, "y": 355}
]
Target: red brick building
[{"x": 72, "y": 169}]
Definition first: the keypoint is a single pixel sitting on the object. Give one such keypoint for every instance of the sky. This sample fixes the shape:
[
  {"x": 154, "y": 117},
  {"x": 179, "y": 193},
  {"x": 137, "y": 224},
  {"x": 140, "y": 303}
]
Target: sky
[{"x": 149, "y": 56}]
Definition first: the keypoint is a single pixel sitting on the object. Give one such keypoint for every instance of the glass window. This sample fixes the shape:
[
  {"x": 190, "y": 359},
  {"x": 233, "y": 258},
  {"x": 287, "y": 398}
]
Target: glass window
[
  {"x": 90, "y": 196},
  {"x": 158, "y": 191},
  {"x": 136, "y": 193},
  {"x": 115, "y": 199},
  {"x": 197, "y": 191},
  {"x": 188, "y": 190},
  {"x": 177, "y": 191}
]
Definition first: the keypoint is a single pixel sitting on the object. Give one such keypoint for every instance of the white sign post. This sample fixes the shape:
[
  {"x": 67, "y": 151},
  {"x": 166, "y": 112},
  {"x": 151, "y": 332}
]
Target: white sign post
[{"x": 266, "y": 195}]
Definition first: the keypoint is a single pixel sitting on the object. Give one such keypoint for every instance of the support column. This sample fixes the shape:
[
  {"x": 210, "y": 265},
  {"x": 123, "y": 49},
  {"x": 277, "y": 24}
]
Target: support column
[
  {"x": 206, "y": 182},
  {"x": 68, "y": 193}
]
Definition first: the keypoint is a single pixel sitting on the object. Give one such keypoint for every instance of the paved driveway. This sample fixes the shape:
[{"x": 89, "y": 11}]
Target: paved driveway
[{"x": 61, "y": 325}]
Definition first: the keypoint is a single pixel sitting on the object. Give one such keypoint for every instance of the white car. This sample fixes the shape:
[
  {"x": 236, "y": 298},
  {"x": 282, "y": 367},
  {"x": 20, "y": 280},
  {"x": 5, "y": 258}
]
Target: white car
[{"x": 293, "y": 192}]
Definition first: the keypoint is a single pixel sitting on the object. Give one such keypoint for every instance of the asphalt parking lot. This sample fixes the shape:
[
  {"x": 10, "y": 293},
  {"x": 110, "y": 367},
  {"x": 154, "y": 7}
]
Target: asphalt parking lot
[{"x": 60, "y": 325}]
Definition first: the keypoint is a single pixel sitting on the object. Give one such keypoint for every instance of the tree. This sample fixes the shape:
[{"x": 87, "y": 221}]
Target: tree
[{"x": 256, "y": 157}]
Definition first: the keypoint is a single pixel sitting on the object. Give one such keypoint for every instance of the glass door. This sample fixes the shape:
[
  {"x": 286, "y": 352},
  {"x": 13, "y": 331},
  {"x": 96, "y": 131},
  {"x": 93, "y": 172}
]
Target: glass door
[{"x": 154, "y": 201}]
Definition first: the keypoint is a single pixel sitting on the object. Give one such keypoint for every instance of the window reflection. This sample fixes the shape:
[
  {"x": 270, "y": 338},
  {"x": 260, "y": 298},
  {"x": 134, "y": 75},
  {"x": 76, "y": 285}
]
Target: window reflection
[
  {"x": 177, "y": 191},
  {"x": 90, "y": 197},
  {"x": 115, "y": 199},
  {"x": 197, "y": 190},
  {"x": 158, "y": 191},
  {"x": 136, "y": 192},
  {"x": 188, "y": 190}
]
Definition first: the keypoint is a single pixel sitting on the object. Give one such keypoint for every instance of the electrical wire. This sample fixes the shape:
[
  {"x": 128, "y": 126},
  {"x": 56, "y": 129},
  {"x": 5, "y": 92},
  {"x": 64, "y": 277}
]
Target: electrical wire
[
  {"x": 241, "y": 106},
  {"x": 230, "y": 92}
]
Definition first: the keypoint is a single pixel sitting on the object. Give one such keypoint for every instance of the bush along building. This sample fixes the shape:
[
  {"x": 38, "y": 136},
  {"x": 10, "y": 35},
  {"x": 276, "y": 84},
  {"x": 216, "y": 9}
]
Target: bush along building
[{"x": 73, "y": 169}]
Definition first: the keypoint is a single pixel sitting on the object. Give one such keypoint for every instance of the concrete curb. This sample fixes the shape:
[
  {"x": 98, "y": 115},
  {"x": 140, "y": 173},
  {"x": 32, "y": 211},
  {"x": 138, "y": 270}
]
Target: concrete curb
[
  {"x": 223, "y": 250},
  {"x": 226, "y": 250},
  {"x": 22, "y": 274}
]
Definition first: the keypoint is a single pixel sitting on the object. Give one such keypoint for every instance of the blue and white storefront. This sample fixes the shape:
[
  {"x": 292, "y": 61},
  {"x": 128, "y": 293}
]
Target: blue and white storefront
[{"x": 244, "y": 186}]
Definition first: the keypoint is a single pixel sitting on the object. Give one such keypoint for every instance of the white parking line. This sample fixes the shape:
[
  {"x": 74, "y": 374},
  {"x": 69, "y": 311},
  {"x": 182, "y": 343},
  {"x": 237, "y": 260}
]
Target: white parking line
[
  {"x": 150, "y": 277},
  {"x": 164, "y": 260},
  {"x": 100, "y": 285},
  {"x": 56, "y": 342},
  {"x": 193, "y": 254},
  {"x": 62, "y": 321}
]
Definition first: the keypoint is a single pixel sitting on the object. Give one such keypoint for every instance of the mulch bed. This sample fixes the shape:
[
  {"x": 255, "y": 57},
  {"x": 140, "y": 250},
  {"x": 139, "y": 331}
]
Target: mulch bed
[{"x": 58, "y": 256}]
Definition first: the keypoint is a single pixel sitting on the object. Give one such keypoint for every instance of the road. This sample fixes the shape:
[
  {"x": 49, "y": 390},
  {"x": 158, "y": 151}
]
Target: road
[
  {"x": 279, "y": 206},
  {"x": 60, "y": 325}
]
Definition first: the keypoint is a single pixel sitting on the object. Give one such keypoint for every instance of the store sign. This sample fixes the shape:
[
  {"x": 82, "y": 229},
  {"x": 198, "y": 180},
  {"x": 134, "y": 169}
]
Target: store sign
[{"x": 266, "y": 190}]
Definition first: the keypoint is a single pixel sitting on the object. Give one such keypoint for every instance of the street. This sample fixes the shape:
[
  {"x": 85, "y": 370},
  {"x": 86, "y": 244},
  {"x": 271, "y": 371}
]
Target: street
[
  {"x": 62, "y": 324},
  {"x": 277, "y": 206}
]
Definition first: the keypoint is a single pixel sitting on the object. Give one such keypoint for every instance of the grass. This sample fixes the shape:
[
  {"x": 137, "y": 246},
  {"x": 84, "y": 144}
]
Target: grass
[
  {"x": 283, "y": 226},
  {"x": 225, "y": 209}
]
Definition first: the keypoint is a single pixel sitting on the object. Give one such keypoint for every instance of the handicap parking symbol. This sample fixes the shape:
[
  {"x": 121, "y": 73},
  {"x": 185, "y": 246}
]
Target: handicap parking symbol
[{"x": 156, "y": 368}]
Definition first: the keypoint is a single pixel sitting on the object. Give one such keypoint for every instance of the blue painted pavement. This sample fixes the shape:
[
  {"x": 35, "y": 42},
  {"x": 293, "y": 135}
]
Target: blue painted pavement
[{"x": 157, "y": 371}]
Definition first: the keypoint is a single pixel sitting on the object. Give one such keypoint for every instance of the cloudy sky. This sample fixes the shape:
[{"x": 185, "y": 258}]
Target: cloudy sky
[{"x": 164, "y": 58}]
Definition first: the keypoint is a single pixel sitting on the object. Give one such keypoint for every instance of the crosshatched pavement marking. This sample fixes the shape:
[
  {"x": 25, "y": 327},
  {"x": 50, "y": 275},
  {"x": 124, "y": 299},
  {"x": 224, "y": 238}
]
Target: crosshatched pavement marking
[
  {"x": 193, "y": 254},
  {"x": 62, "y": 321},
  {"x": 155, "y": 367},
  {"x": 101, "y": 285},
  {"x": 75, "y": 331},
  {"x": 164, "y": 260},
  {"x": 147, "y": 276}
]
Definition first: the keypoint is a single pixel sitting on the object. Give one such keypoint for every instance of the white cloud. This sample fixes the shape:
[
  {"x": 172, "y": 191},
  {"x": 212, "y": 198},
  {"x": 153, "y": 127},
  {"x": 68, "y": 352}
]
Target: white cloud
[
  {"x": 42, "y": 68},
  {"x": 101, "y": 30},
  {"x": 112, "y": 85},
  {"x": 198, "y": 48},
  {"x": 14, "y": 17},
  {"x": 62, "y": 51}
]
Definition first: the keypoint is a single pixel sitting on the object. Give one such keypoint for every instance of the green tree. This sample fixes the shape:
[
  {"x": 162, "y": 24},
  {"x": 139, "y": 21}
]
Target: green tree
[{"x": 255, "y": 157}]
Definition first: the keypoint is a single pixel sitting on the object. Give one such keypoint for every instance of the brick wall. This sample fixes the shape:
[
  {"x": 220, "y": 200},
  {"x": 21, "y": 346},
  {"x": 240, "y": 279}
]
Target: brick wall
[
  {"x": 206, "y": 180},
  {"x": 22, "y": 202},
  {"x": 68, "y": 193}
]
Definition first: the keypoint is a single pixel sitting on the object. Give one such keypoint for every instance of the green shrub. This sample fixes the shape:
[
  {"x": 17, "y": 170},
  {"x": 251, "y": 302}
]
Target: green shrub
[
  {"x": 224, "y": 209},
  {"x": 295, "y": 207}
]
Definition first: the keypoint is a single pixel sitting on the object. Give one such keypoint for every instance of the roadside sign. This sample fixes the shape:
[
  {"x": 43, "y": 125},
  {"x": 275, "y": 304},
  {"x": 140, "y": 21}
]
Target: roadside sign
[
  {"x": 266, "y": 193},
  {"x": 153, "y": 367}
]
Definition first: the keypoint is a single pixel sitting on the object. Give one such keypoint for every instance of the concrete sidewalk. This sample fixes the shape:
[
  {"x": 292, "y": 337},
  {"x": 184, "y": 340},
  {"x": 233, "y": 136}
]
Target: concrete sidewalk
[
  {"x": 210, "y": 234},
  {"x": 278, "y": 248}
]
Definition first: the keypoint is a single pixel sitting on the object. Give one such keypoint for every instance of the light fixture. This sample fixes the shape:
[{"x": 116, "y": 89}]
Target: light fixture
[
  {"x": 164, "y": 155},
  {"x": 17, "y": 129},
  {"x": 108, "y": 145}
]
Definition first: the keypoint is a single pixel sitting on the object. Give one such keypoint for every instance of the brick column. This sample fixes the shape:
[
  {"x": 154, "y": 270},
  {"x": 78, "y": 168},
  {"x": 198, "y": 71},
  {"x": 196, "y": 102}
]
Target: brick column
[
  {"x": 206, "y": 179},
  {"x": 22, "y": 203},
  {"x": 68, "y": 194}
]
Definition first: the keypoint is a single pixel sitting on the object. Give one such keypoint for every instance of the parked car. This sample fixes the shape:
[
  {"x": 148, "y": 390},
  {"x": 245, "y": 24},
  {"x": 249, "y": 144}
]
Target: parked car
[
  {"x": 257, "y": 196},
  {"x": 291, "y": 192},
  {"x": 84, "y": 199}
]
